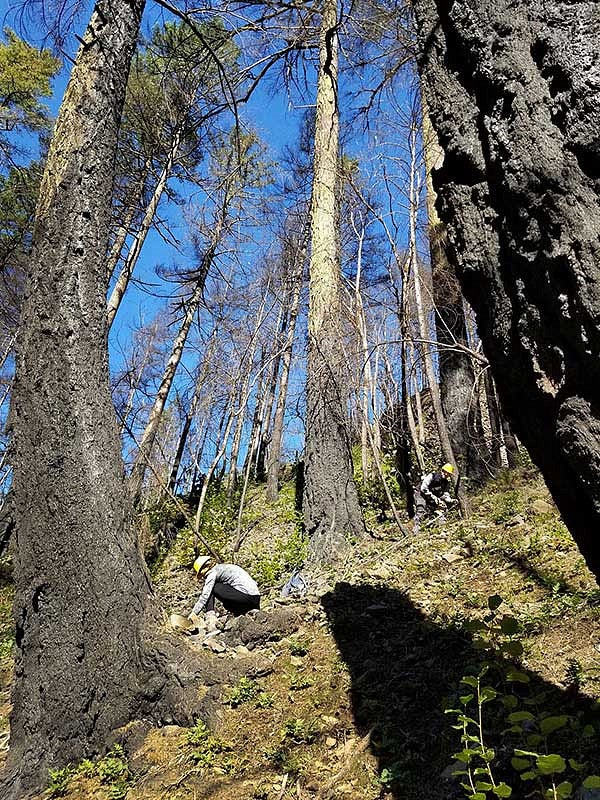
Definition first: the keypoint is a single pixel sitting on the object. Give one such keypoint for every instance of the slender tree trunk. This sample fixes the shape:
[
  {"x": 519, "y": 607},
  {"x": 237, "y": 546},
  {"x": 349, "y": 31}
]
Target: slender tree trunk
[
  {"x": 274, "y": 453},
  {"x": 136, "y": 480},
  {"x": 494, "y": 418},
  {"x": 457, "y": 376},
  {"x": 114, "y": 254},
  {"x": 136, "y": 247},
  {"x": 82, "y": 595},
  {"x": 442, "y": 428},
  {"x": 191, "y": 412},
  {"x": 513, "y": 456},
  {"x": 331, "y": 509}
]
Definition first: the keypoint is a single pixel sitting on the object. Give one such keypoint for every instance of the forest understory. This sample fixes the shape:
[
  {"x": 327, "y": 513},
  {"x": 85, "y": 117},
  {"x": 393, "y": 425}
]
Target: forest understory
[{"x": 349, "y": 687}]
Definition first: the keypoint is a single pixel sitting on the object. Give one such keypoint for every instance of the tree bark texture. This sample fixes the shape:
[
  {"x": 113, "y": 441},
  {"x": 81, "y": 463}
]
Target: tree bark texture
[
  {"x": 514, "y": 94},
  {"x": 80, "y": 585},
  {"x": 83, "y": 602},
  {"x": 330, "y": 503}
]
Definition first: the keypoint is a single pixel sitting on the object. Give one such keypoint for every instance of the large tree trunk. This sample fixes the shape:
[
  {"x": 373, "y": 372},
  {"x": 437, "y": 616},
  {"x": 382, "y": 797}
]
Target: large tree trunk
[
  {"x": 331, "y": 509},
  {"x": 514, "y": 93},
  {"x": 80, "y": 586}
]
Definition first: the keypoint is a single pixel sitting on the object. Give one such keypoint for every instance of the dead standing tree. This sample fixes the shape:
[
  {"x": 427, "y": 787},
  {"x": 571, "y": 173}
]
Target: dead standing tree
[{"x": 331, "y": 508}]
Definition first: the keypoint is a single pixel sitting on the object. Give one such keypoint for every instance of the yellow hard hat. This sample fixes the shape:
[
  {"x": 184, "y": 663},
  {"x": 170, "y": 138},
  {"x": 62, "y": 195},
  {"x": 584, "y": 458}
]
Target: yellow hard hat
[
  {"x": 448, "y": 468},
  {"x": 201, "y": 562}
]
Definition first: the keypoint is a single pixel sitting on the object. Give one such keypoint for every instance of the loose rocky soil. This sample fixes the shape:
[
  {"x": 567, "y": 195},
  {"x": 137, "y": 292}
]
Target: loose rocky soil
[{"x": 348, "y": 684}]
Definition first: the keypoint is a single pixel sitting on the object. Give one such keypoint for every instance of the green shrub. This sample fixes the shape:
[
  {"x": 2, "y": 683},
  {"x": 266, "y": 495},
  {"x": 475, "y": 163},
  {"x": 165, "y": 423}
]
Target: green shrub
[
  {"x": 205, "y": 747},
  {"x": 112, "y": 771},
  {"x": 505, "y": 506},
  {"x": 243, "y": 692},
  {"x": 499, "y": 693}
]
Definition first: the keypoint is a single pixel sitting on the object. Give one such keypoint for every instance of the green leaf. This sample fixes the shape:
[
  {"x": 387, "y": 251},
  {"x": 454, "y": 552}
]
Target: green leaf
[
  {"x": 526, "y": 753},
  {"x": 502, "y": 790},
  {"x": 520, "y": 763},
  {"x": 513, "y": 648},
  {"x": 510, "y": 701},
  {"x": 483, "y": 786},
  {"x": 550, "y": 724},
  {"x": 470, "y": 680},
  {"x": 520, "y": 716},
  {"x": 528, "y": 776},
  {"x": 473, "y": 626},
  {"x": 488, "y": 755},
  {"x": 549, "y": 765},
  {"x": 588, "y": 730},
  {"x": 509, "y": 625},
  {"x": 466, "y": 699},
  {"x": 592, "y": 782},
  {"x": 487, "y": 693},
  {"x": 564, "y": 789},
  {"x": 494, "y": 602},
  {"x": 517, "y": 676},
  {"x": 534, "y": 739},
  {"x": 576, "y": 765},
  {"x": 477, "y": 796},
  {"x": 480, "y": 644}
]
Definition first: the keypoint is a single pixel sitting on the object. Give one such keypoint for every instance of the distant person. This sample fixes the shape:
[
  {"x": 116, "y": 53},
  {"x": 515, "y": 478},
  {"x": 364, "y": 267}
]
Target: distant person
[
  {"x": 433, "y": 493},
  {"x": 228, "y": 583}
]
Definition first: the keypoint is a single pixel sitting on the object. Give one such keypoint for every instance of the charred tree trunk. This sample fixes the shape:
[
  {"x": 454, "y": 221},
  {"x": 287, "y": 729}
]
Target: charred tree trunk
[
  {"x": 330, "y": 503},
  {"x": 82, "y": 594},
  {"x": 514, "y": 94}
]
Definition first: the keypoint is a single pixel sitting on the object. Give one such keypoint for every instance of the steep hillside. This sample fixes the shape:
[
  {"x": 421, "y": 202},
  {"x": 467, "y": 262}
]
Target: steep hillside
[{"x": 346, "y": 689}]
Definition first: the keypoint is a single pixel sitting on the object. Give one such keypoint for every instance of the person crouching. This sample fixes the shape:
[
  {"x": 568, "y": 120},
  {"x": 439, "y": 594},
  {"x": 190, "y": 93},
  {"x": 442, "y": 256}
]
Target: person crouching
[{"x": 228, "y": 583}]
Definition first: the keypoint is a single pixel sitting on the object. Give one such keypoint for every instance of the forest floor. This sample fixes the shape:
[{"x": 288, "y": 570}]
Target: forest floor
[{"x": 352, "y": 703}]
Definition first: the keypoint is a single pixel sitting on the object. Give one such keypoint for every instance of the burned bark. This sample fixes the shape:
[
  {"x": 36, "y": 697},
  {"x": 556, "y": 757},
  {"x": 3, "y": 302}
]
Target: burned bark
[
  {"x": 83, "y": 601},
  {"x": 514, "y": 94}
]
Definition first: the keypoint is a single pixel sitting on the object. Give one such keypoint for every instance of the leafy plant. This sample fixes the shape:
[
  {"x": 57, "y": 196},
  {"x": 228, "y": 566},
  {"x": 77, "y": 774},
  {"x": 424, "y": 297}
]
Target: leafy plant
[
  {"x": 299, "y": 681},
  {"x": 264, "y": 700},
  {"x": 112, "y": 771},
  {"x": 299, "y": 646},
  {"x": 245, "y": 691},
  {"x": 506, "y": 506},
  {"x": 206, "y": 747},
  {"x": 490, "y": 694},
  {"x": 300, "y": 731}
]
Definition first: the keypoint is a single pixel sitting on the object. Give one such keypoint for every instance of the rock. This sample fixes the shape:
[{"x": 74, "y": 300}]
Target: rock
[
  {"x": 330, "y": 720},
  {"x": 452, "y": 556},
  {"x": 330, "y": 741},
  {"x": 215, "y": 645},
  {"x": 541, "y": 507},
  {"x": 296, "y": 661},
  {"x": 259, "y": 627}
]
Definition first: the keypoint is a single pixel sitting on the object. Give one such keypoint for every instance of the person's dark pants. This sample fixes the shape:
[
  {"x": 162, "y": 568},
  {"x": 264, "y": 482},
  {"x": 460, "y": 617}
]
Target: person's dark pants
[{"x": 235, "y": 601}]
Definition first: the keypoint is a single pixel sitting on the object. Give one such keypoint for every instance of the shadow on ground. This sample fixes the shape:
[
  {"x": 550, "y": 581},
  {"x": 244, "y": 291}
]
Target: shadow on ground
[{"x": 404, "y": 670}]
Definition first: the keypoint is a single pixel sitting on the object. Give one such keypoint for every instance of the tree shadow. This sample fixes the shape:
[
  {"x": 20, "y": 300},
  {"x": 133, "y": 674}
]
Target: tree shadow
[{"x": 405, "y": 670}]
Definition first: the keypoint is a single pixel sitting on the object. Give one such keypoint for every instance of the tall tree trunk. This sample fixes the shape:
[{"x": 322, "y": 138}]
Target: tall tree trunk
[
  {"x": 274, "y": 453},
  {"x": 122, "y": 283},
  {"x": 436, "y": 402},
  {"x": 134, "y": 199},
  {"x": 331, "y": 509},
  {"x": 191, "y": 412},
  {"x": 457, "y": 376},
  {"x": 494, "y": 418},
  {"x": 82, "y": 595}
]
